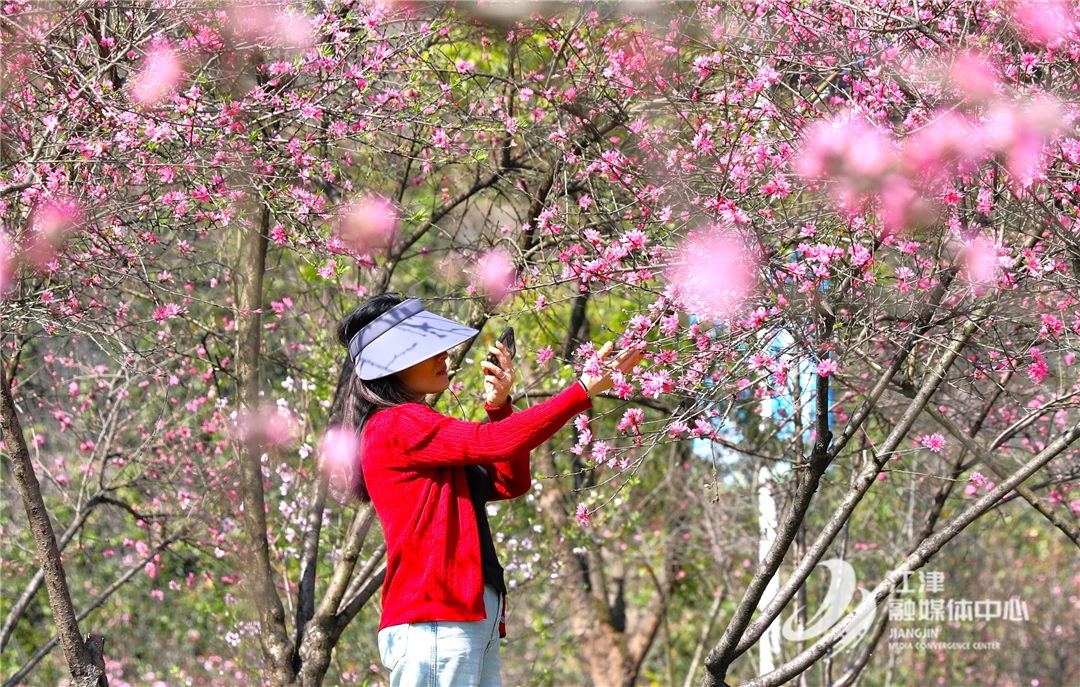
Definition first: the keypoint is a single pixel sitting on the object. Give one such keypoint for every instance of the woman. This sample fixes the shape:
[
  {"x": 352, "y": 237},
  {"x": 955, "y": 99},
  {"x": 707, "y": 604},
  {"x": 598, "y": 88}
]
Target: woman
[{"x": 429, "y": 476}]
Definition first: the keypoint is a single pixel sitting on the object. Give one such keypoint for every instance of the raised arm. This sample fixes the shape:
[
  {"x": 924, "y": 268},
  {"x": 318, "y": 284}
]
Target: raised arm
[{"x": 413, "y": 435}]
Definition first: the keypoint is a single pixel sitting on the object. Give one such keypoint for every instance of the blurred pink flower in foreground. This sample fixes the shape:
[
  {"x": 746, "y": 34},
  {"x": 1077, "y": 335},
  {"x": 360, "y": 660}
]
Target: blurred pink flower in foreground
[
  {"x": 7, "y": 264},
  {"x": 52, "y": 222},
  {"x": 267, "y": 428},
  {"x": 1021, "y": 133},
  {"x": 903, "y": 206},
  {"x": 261, "y": 20},
  {"x": 975, "y": 76},
  {"x": 715, "y": 274},
  {"x": 947, "y": 143},
  {"x": 847, "y": 149},
  {"x": 980, "y": 262},
  {"x": 339, "y": 457},
  {"x": 160, "y": 73},
  {"x": 368, "y": 224},
  {"x": 496, "y": 275},
  {"x": 1045, "y": 21}
]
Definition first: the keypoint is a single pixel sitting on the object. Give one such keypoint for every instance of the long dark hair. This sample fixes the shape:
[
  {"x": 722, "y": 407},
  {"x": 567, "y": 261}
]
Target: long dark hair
[{"x": 364, "y": 398}]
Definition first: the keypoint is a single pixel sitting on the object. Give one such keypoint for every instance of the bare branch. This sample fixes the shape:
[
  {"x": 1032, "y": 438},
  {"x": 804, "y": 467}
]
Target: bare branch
[
  {"x": 101, "y": 598},
  {"x": 80, "y": 662},
  {"x": 916, "y": 560},
  {"x": 1068, "y": 528}
]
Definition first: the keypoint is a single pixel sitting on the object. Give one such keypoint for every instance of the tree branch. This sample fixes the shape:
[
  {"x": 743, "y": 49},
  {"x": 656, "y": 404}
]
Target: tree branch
[
  {"x": 96, "y": 603},
  {"x": 914, "y": 561},
  {"x": 250, "y": 268},
  {"x": 862, "y": 484},
  {"x": 81, "y": 664},
  {"x": 1068, "y": 528},
  {"x": 718, "y": 660}
]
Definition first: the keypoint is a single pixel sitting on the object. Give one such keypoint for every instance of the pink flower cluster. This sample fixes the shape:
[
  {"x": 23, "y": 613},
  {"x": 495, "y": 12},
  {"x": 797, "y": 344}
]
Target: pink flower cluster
[{"x": 933, "y": 442}]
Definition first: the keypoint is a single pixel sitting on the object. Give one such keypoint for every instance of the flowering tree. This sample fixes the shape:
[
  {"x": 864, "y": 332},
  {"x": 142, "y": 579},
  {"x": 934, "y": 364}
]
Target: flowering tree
[{"x": 845, "y": 232}]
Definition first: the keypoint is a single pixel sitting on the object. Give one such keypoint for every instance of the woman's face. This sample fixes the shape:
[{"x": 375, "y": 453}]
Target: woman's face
[{"x": 428, "y": 377}]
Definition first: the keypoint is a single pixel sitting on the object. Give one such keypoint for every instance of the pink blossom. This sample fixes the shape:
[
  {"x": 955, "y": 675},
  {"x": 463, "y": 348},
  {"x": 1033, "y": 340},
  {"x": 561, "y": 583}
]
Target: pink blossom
[
  {"x": 582, "y": 515},
  {"x": 1037, "y": 371},
  {"x": 760, "y": 360},
  {"x": 934, "y": 442},
  {"x": 655, "y": 383},
  {"x": 622, "y": 388},
  {"x": 827, "y": 367},
  {"x": 581, "y": 423},
  {"x": 496, "y": 275},
  {"x": 977, "y": 479},
  {"x": 635, "y": 239},
  {"x": 158, "y": 594},
  {"x": 600, "y": 451},
  {"x": 166, "y": 312},
  {"x": 669, "y": 325},
  {"x": 632, "y": 420},
  {"x": 1051, "y": 326},
  {"x": 544, "y": 356},
  {"x": 368, "y": 224},
  {"x": 160, "y": 73},
  {"x": 328, "y": 269},
  {"x": 703, "y": 427},
  {"x": 677, "y": 428}
]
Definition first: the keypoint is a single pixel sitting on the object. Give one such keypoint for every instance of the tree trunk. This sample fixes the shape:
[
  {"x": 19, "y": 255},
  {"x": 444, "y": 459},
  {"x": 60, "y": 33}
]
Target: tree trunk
[
  {"x": 260, "y": 575},
  {"x": 83, "y": 656}
]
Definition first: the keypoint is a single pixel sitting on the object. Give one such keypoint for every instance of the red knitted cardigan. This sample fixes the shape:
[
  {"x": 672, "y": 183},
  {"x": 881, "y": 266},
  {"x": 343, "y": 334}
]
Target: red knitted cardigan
[{"x": 413, "y": 460}]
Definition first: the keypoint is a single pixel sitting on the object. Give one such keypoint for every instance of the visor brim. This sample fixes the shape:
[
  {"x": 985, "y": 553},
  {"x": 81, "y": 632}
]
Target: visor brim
[{"x": 409, "y": 342}]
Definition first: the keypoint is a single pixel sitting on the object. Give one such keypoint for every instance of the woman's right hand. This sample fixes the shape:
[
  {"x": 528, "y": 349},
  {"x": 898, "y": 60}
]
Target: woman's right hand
[{"x": 624, "y": 362}]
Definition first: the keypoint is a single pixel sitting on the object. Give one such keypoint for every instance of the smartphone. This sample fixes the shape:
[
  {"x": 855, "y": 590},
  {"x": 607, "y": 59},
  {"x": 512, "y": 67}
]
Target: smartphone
[{"x": 507, "y": 340}]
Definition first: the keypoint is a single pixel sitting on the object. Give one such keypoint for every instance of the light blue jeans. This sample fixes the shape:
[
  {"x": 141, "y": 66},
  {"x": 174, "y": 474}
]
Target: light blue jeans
[{"x": 445, "y": 653}]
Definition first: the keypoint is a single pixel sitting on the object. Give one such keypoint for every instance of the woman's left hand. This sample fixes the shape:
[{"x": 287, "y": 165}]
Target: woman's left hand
[{"x": 498, "y": 379}]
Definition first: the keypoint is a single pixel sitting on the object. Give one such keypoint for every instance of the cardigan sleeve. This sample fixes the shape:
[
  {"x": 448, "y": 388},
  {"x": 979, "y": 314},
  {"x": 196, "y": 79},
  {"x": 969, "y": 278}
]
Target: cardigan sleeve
[
  {"x": 512, "y": 478},
  {"x": 414, "y": 436},
  {"x": 496, "y": 413}
]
